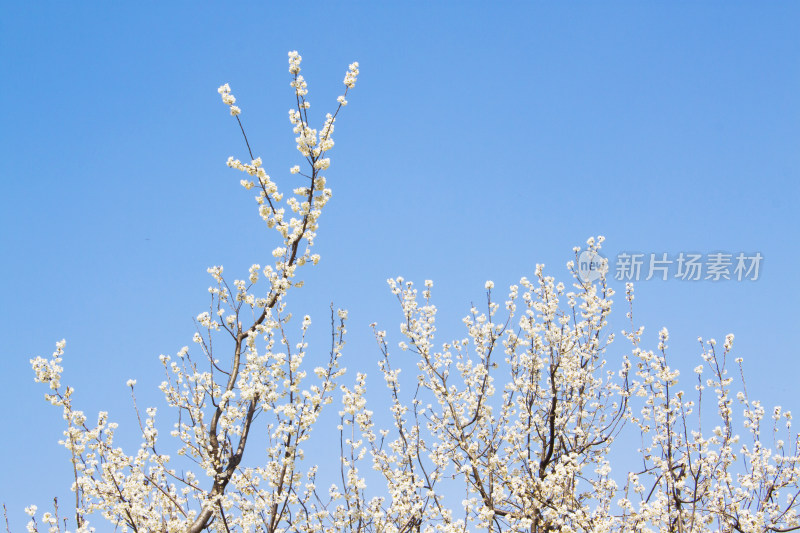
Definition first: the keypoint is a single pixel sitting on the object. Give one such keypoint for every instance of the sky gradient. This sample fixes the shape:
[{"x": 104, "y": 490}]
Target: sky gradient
[{"x": 479, "y": 141}]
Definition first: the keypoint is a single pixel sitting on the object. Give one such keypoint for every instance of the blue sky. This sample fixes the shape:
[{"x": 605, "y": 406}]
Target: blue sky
[{"x": 479, "y": 141}]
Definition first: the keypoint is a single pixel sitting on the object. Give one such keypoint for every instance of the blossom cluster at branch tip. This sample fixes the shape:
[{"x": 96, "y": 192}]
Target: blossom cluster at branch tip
[
  {"x": 228, "y": 99},
  {"x": 352, "y": 76}
]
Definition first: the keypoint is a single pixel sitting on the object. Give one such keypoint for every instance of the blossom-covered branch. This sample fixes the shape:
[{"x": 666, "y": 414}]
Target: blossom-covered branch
[{"x": 216, "y": 405}]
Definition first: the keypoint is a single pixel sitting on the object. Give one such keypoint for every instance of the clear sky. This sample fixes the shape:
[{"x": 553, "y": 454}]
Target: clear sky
[{"x": 481, "y": 139}]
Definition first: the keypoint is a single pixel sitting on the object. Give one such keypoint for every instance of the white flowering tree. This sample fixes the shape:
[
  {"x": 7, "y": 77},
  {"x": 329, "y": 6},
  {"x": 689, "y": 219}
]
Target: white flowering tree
[{"x": 510, "y": 428}]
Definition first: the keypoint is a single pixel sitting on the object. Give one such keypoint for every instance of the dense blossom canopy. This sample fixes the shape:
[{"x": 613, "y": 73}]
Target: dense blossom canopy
[{"x": 517, "y": 419}]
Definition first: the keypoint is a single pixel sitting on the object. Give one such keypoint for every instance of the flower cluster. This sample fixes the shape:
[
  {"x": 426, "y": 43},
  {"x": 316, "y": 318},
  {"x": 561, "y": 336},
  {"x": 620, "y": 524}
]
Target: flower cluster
[{"x": 228, "y": 99}]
